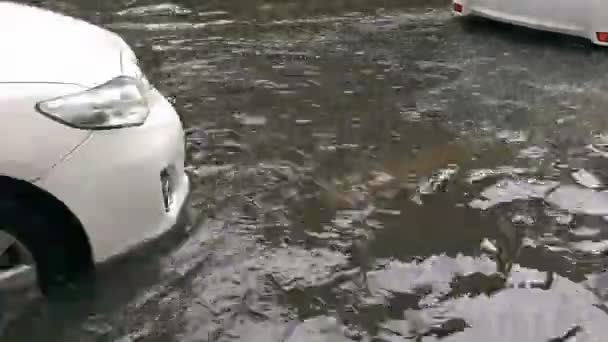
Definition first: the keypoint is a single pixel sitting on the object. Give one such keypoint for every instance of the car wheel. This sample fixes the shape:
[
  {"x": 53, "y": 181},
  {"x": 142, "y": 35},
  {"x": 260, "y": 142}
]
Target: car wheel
[
  {"x": 17, "y": 265},
  {"x": 32, "y": 249}
]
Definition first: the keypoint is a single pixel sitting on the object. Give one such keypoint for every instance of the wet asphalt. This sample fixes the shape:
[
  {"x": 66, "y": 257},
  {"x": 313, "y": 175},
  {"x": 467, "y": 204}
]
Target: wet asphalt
[{"x": 363, "y": 170}]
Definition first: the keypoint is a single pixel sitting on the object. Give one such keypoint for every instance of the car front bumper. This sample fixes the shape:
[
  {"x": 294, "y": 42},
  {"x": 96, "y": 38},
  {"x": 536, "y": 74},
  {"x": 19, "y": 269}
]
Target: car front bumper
[{"x": 126, "y": 186}]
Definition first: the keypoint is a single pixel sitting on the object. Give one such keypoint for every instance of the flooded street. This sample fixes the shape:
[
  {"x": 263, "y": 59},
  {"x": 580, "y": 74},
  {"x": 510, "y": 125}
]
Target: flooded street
[{"x": 363, "y": 170}]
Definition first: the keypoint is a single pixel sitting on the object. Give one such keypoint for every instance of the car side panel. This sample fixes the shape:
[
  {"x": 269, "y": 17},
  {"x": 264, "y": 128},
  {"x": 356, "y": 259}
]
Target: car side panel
[
  {"x": 484, "y": 5},
  {"x": 31, "y": 143},
  {"x": 579, "y": 18}
]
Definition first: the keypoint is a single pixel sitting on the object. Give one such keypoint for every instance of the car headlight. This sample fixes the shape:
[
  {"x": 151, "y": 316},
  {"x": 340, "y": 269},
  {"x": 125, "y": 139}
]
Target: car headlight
[
  {"x": 120, "y": 102},
  {"x": 130, "y": 67}
]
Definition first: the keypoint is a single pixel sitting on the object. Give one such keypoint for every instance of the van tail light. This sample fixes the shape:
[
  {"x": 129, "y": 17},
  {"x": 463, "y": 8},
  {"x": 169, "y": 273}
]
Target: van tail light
[
  {"x": 458, "y": 7},
  {"x": 602, "y": 37}
]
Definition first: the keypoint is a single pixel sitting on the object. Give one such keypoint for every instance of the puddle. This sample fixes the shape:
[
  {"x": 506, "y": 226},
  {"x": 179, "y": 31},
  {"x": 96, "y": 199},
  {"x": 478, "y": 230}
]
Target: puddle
[{"x": 347, "y": 159}]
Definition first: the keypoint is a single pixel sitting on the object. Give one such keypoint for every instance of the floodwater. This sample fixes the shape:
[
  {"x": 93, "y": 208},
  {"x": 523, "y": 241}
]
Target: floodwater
[{"x": 364, "y": 170}]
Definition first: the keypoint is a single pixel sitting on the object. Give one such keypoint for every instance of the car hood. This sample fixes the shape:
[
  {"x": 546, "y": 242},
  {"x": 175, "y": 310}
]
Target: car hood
[{"x": 42, "y": 46}]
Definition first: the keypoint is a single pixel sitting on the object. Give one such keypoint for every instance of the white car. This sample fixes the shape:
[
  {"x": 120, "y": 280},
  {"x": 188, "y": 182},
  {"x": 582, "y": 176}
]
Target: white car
[
  {"x": 91, "y": 154},
  {"x": 582, "y": 18}
]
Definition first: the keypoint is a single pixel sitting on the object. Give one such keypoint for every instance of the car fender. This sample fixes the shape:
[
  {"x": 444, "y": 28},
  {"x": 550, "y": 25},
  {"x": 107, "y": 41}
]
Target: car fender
[{"x": 31, "y": 144}]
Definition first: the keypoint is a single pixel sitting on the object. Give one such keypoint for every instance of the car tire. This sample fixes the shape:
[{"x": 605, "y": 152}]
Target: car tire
[{"x": 45, "y": 239}]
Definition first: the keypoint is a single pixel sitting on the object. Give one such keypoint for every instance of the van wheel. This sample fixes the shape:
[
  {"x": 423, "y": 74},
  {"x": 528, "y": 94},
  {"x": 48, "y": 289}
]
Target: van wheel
[{"x": 32, "y": 251}]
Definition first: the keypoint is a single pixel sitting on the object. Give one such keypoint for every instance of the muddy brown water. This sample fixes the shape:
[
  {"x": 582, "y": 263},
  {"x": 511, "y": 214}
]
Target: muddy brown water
[{"x": 348, "y": 159}]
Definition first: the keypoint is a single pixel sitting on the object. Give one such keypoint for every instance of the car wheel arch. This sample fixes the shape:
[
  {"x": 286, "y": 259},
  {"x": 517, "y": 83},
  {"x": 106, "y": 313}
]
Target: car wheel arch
[{"x": 28, "y": 194}]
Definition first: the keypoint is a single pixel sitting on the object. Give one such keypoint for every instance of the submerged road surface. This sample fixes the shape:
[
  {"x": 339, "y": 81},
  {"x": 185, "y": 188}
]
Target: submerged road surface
[{"x": 348, "y": 159}]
